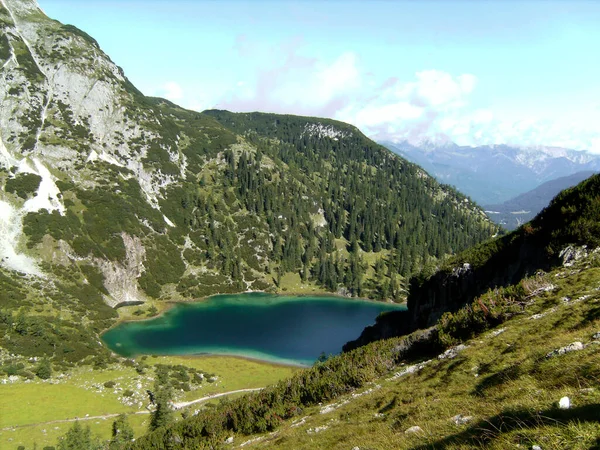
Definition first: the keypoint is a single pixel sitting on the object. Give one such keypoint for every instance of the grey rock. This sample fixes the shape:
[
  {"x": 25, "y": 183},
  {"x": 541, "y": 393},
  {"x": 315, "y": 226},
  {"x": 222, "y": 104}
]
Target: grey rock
[
  {"x": 571, "y": 254},
  {"x": 460, "y": 271},
  {"x": 453, "y": 352},
  {"x": 415, "y": 429},
  {"x": 459, "y": 419},
  {"x": 564, "y": 403},
  {"x": 575, "y": 346}
]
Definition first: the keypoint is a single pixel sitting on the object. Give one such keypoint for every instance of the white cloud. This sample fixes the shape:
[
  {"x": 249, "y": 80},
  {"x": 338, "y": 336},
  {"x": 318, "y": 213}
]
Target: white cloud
[
  {"x": 437, "y": 106},
  {"x": 440, "y": 89},
  {"x": 298, "y": 84},
  {"x": 426, "y": 106},
  {"x": 171, "y": 91},
  {"x": 196, "y": 97}
]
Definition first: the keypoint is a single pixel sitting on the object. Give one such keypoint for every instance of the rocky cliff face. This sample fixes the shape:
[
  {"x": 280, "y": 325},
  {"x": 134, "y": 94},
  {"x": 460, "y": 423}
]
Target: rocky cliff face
[
  {"x": 451, "y": 289},
  {"x": 66, "y": 112}
]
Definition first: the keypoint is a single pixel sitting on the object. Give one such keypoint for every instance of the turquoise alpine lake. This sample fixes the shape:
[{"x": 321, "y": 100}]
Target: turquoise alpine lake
[{"x": 289, "y": 330}]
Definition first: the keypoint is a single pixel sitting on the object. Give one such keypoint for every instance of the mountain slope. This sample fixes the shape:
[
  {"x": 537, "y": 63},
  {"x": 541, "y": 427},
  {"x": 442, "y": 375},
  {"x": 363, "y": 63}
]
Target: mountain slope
[
  {"x": 495, "y": 174},
  {"x": 110, "y": 198},
  {"x": 516, "y": 211},
  {"x": 544, "y": 243},
  {"x": 515, "y": 365}
]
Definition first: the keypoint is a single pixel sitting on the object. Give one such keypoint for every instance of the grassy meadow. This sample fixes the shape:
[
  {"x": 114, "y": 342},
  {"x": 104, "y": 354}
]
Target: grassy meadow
[{"x": 31, "y": 412}]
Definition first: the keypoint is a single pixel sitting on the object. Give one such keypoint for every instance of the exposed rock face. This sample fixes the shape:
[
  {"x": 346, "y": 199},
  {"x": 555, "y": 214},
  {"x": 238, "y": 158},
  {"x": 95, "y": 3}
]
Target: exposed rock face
[
  {"x": 571, "y": 254},
  {"x": 120, "y": 278},
  {"x": 65, "y": 110},
  {"x": 387, "y": 325},
  {"x": 451, "y": 289},
  {"x": 64, "y": 101}
]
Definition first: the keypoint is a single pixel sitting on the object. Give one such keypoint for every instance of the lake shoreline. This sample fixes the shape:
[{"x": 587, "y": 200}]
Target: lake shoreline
[
  {"x": 167, "y": 305},
  {"x": 268, "y": 362}
]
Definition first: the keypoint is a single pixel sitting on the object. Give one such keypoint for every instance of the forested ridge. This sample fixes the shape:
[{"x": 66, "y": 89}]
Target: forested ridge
[{"x": 327, "y": 194}]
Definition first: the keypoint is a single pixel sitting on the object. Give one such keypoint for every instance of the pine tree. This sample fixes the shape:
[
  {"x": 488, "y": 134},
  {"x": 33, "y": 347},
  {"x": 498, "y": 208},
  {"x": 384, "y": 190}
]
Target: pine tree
[
  {"x": 44, "y": 370},
  {"x": 79, "y": 438},
  {"x": 122, "y": 433},
  {"x": 163, "y": 414}
]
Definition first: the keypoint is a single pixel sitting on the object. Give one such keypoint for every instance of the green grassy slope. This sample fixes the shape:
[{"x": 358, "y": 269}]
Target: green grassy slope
[{"x": 501, "y": 391}]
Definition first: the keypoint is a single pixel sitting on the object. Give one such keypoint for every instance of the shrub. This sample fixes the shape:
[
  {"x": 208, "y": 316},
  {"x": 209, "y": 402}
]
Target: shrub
[
  {"x": 44, "y": 370},
  {"x": 487, "y": 311}
]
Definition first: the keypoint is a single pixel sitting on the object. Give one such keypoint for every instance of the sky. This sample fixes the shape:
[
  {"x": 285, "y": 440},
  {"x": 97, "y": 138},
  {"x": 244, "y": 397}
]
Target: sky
[{"x": 473, "y": 72}]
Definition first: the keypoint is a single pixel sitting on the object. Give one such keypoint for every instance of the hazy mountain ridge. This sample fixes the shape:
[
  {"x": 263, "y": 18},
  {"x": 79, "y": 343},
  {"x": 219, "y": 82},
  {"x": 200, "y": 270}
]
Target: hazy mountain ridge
[
  {"x": 523, "y": 208},
  {"x": 493, "y": 174}
]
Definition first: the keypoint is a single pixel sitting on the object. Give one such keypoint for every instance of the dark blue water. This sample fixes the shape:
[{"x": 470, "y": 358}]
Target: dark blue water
[{"x": 281, "y": 329}]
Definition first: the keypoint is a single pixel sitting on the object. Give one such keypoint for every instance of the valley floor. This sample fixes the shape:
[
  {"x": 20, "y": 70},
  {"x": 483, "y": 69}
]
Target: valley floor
[
  {"x": 38, "y": 412},
  {"x": 501, "y": 389}
]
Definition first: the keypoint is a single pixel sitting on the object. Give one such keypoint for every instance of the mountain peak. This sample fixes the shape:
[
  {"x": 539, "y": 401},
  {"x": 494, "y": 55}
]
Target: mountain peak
[
  {"x": 21, "y": 7},
  {"x": 492, "y": 174}
]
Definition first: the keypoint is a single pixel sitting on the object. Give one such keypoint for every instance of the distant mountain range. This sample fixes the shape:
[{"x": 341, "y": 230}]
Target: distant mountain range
[
  {"x": 516, "y": 211},
  {"x": 494, "y": 174}
]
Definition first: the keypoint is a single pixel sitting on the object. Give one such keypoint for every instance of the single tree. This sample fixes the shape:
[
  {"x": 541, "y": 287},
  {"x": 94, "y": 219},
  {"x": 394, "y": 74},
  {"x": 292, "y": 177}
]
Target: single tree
[
  {"x": 44, "y": 370},
  {"x": 163, "y": 393},
  {"x": 122, "y": 433},
  {"x": 79, "y": 438}
]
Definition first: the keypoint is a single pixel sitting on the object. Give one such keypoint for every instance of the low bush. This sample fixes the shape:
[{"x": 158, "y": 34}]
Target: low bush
[{"x": 487, "y": 311}]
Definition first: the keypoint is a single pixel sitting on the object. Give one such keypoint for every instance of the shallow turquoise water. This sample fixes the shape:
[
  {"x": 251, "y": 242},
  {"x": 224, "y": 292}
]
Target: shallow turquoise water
[{"x": 293, "y": 330}]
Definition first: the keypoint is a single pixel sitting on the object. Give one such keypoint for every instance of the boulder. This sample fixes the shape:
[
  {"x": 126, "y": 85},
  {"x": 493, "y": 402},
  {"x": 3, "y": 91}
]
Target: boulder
[
  {"x": 459, "y": 419},
  {"x": 415, "y": 429},
  {"x": 564, "y": 403},
  {"x": 575, "y": 346}
]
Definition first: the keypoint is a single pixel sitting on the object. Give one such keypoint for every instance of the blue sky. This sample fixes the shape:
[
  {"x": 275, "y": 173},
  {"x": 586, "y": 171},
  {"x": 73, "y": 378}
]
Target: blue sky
[{"x": 487, "y": 72}]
